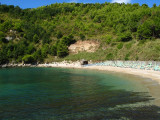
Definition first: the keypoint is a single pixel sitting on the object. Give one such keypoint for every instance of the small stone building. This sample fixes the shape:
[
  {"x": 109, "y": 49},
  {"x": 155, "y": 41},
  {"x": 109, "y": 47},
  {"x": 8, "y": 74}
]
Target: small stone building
[{"x": 84, "y": 62}]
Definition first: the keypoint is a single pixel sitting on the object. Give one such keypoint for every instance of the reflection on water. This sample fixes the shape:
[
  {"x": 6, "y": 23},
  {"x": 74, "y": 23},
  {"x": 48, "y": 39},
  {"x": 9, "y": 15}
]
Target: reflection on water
[{"x": 66, "y": 94}]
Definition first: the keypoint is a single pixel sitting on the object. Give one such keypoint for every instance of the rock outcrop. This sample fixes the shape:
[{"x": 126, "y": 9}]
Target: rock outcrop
[{"x": 79, "y": 46}]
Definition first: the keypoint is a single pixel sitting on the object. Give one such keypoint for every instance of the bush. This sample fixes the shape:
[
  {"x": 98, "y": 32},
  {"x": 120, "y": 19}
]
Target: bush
[
  {"x": 113, "y": 44},
  {"x": 137, "y": 58},
  {"x": 36, "y": 38},
  {"x": 68, "y": 40},
  {"x": 108, "y": 39},
  {"x": 109, "y": 56},
  {"x": 3, "y": 58},
  {"x": 45, "y": 50},
  {"x": 19, "y": 59},
  {"x": 82, "y": 36},
  {"x": 124, "y": 37},
  {"x": 148, "y": 30},
  {"x": 127, "y": 57},
  {"x": 18, "y": 27},
  {"x": 120, "y": 46},
  {"x": 28, "y": 59},
  {"x": 30, "y": 49},
  {"x": 62, "y": 49},
  {"x": 3, "y": 40},
  {"x": 6, "y": 26},
  {"x": 53, "y": 50},
  {"x": 59, "y": 35},
  {"x": 2, "y": 37},
  {"x": 38, "y": 56}
]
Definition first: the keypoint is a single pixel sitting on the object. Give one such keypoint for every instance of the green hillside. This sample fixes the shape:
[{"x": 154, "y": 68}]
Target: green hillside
[{"x": 124, "y": 31}]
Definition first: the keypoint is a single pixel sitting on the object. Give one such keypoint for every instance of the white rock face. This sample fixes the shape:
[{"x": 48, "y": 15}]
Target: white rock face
[{"x": 79, "y": 46}]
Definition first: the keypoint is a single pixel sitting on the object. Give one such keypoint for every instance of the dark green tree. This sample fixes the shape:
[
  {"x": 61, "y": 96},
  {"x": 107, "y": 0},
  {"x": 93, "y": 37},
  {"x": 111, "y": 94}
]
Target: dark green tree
[
  {"x": 53, "y": 50},
  {"x": 62, "y": 49},
  {"x": 28, "y": 59}
]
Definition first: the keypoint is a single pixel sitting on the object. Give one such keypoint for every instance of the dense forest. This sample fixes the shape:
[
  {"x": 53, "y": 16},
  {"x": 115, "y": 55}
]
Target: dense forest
[{"x": 124, "y": 31}]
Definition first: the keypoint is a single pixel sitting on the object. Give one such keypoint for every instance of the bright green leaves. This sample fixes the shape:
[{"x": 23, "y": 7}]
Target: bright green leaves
[{"x": 28, "y": 59}]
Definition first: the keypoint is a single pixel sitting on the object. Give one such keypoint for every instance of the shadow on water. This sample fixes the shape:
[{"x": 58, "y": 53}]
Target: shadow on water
[
  {"x": 90, "y": 107},
  {"x": 82, "y": 99}
]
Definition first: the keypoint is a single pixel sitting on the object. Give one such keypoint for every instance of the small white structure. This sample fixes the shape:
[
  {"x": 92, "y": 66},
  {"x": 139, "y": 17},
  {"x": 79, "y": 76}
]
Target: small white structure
[{"x": 9, "y": 38}]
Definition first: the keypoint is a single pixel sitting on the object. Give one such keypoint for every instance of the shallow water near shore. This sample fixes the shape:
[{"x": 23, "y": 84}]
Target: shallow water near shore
[{"x": 69, "y": 94}]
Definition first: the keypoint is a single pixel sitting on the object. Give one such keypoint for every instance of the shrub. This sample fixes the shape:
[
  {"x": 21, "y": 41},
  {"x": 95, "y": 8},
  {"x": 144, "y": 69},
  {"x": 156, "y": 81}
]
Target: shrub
[
  {"x": 62, "y": 49},
  {"x": 137, "y": 58},
  {"x": 18, "y": 27},
  {"x": 59, "y": 35},
  {"x": 113, "y": 44},
  {"x": 120, "y": 46},
  {"x": 38, "y": 56},
  {"x": 82, "y": 36},
  {"x": 28, "y": 59},
  {"x": 36, "y": 38},
  {"x": 108, "y": 39},
  {"x": 53, "y": 50},
  {"x": 124, "y": 37},
  {"x": 68, "y": 40},
  {"x": 45, "y": 50},
  {"x": 109, "y": 56},
  {"x": 127, "y": 56},
  {"x": 2, "y": 37}
]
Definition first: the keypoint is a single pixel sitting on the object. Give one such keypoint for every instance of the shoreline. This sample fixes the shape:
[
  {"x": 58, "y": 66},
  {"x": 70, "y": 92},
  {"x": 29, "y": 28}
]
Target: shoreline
[{"x": 154, "y": 75}]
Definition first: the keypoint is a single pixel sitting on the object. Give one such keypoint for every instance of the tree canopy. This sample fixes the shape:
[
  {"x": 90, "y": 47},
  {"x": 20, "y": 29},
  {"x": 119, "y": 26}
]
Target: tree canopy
[{"x": 49, "y": 30}]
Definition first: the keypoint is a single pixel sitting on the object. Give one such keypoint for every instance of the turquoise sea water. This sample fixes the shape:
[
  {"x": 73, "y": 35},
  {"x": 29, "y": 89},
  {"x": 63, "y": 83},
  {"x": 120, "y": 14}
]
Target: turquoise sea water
[{"x": 72, "y": 94}]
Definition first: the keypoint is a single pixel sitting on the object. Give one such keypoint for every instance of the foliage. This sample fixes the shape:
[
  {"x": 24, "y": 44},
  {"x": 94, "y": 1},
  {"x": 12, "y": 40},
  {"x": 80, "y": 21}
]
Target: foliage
[
  {"x": 68, "y": 40},
  {"x": 82, "y": 36},
  {"x": 36, "y": 38},
  {"x": 62, "y": 49},
  {"x": 120, "y": 46},
  {"x": 2, "y": 37},
  {"x": 18, "y": 27},
  {"x": 59, "y": 35},
  {"x": 109, "y": 56},
  {"x": 28, "y": 59},
  {"x": 127, "y": 56},
  {"x": 3, "y": 57},
  {"x": 108, "y": 39},
  {"x": 50, "y": 30},
  {"x": 53, "y": 50},
  {"x": 124, "y": 37},
  {"x": 38, "y": 56}
]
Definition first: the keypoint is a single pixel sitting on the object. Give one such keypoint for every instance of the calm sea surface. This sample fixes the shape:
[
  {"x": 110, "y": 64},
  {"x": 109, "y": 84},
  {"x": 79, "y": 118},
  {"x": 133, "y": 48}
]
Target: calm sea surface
[{"x": 72, "y": 94}]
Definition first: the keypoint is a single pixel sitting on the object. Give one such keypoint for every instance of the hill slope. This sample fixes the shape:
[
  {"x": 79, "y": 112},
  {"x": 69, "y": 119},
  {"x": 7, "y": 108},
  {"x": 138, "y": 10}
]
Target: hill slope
[{"x": 124, "y": 32}]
